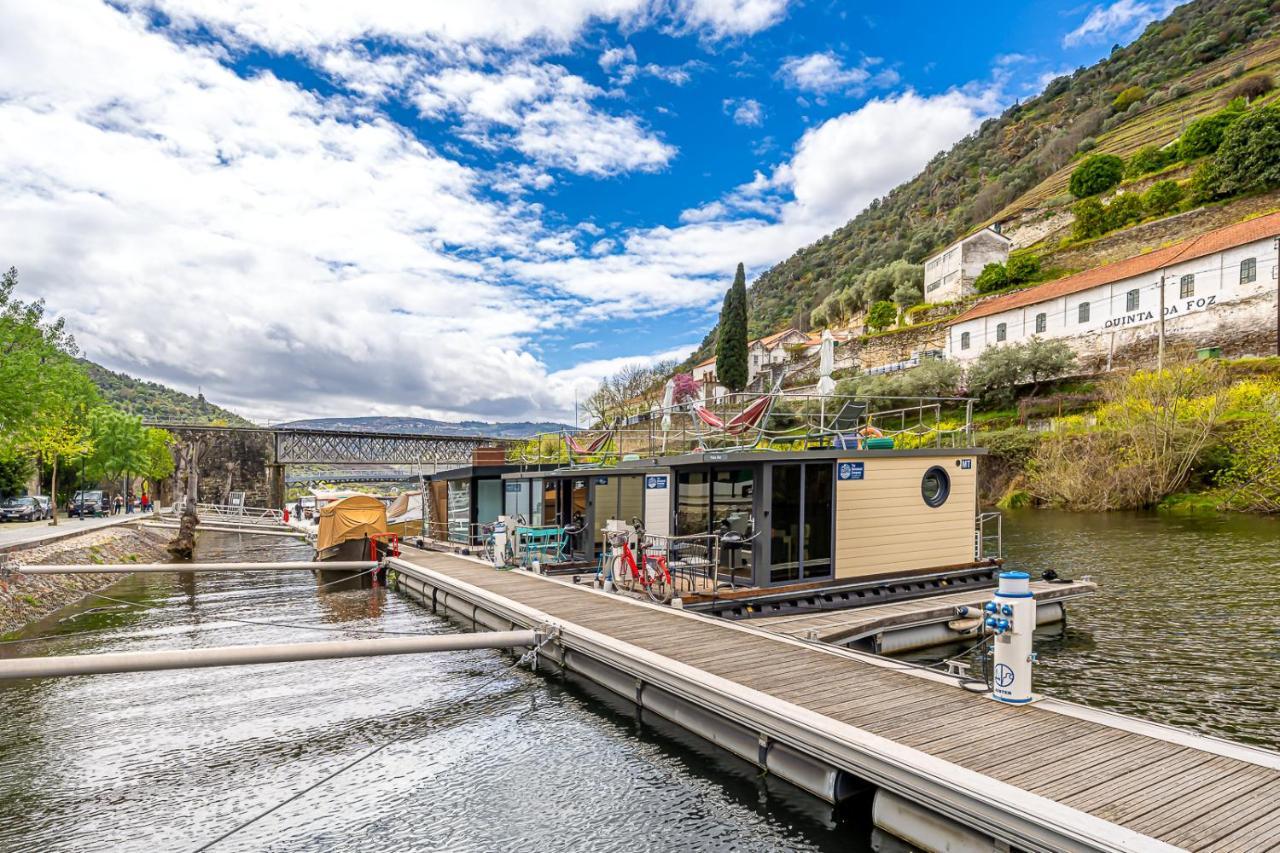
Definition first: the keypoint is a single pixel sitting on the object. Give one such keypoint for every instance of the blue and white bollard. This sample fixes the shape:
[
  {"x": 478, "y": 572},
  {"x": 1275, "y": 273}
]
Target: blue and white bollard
[{"x": 1011, "y": 615}]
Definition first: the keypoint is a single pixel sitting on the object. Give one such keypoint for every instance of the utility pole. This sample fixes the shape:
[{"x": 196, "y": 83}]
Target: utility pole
[{"x": 1160, "y": 346}]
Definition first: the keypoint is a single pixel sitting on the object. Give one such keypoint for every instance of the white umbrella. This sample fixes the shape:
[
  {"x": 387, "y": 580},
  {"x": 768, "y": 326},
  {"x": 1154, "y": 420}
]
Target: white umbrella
[
  {"x": 668, "y": 397},
  {"x": 826, "y": 363}
]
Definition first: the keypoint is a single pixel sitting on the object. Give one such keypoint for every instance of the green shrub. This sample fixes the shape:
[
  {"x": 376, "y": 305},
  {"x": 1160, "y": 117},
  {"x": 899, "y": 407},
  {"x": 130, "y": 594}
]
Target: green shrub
[
  {"x": 1127, "y": 98},
  {"x": 1150, "y": 159},
  {"x": 1086, "y": 145},
  {"x": 1204, "y": 184},
  {"x": 996, "y": 374},
  {"x": 1204, "y": 135},
  {"x": 1091, "y": 219},
  {"x": 1123, "y": 210},
  {"x": 1022, "y": 268},
  {"x": 881, "y": 315},
  {"x": 992, "y": 277},
  {"x": 1162, "y": 197},
  {"x": 1096, "y": 174},
  {"x": 1253, "y": 87},
  {"x": 1249, "y": 158}
]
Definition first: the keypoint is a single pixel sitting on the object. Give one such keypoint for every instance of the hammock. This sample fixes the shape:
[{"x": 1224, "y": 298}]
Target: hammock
[
  {"x": 592, "y": 447},
  {"x": 739, "y": 423}
]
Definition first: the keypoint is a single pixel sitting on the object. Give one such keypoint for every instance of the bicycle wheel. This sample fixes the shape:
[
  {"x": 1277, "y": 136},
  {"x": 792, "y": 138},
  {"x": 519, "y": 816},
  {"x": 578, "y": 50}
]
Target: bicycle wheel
[
  {"x": 488, "y": 549},
  {"x": 657, "y": 585}
]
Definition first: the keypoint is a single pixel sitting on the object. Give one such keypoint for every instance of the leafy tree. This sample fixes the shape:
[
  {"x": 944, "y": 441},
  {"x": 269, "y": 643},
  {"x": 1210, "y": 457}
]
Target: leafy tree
[
  {"x": 992, "y": 277},
  {"x": 119, "y": 445},
  {"x": 1151, "y": 158},
  {"x": 998, "y": 371},
  {"x": 15, "y": 469},
  {"x": 908, "y": 293},
  {"x": 731, "y": 345},
  {"x": 1091, "y": 219},
  {"x": 1205, "y": 184},
  {"x": 31, "y": 346},
  {"x": 1096, "y": 174},
  {"x": 881, "y": 315},
  {"x": 1123, "y": 210},
  {"x": 1160, "y": 198},
  {"x": 1127, "y": 98},
  {"x": 933, "y": 378},
  {"x": 1249, "y": 158},
  {"x": 1204, "y": 135},
  {"x": 1044, "y": 359},
  {"x": 1022, "y": 268},
  {"x": 62, "y": 428},
  {"x": 1253, "y": 87}
]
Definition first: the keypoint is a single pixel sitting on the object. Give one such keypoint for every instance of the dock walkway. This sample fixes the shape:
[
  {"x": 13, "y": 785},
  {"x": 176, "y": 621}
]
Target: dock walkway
[
  {"x": 851, "y": 624},
  {"x": 1047, "y": 776}
]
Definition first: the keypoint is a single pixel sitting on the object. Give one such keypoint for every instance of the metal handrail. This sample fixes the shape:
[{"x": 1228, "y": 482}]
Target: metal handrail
[
  {"x": 981, "y": 536},
  {"x": 795, "y": 421},
  {"x": 240, "y": 514}
]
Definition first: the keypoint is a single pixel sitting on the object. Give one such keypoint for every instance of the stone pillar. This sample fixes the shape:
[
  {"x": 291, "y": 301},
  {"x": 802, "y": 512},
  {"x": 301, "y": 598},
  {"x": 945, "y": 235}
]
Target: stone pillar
[{"x": 275, "y": 483}]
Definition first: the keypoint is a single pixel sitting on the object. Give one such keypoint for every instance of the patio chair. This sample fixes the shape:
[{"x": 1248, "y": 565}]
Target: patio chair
[{"x": 842, "y": 430}]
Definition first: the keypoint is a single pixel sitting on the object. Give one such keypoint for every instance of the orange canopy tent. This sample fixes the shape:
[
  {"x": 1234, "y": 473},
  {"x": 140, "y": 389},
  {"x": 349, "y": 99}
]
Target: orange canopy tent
[{"x": 350, "y": 518}]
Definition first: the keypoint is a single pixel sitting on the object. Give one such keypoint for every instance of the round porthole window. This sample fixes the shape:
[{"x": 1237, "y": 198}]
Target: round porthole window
[{"x": 936, "y": 486}]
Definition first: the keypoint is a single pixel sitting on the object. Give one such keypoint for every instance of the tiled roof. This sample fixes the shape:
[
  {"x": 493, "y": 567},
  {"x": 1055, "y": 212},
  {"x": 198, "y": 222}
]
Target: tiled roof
[{"x": 1196, "y": 247}]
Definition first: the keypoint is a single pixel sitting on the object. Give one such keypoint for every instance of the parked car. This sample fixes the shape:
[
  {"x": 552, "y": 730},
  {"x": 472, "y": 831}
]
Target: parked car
[
  {"x": 46, "y": 505},
  {"x": 94, "y": 502},
  {"x": 21, "y": 509}
]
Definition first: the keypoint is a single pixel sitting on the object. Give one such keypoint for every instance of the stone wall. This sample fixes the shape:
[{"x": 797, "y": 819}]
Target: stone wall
[
  {"x": 878, "y": 350},
  {"x": 228, "y": 462},
  {"x": 1242, "y": 327}
]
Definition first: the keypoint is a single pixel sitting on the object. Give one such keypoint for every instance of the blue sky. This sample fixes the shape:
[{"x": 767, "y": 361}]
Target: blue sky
[{"x": 460, "y": 210}]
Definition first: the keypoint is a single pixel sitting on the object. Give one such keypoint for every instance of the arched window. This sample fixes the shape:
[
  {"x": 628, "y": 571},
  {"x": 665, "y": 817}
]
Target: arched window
[
  {"x": 1187, "y": 286},
  {"x": 964, "y": 340},
  {"x": 1082, "y": 313},
  {"x": 1248, "y": 270},
  {"x": 1042, "y": 322},
  {"x": 1131, "y": 300},
  {"x": 1002, "y": 331}
]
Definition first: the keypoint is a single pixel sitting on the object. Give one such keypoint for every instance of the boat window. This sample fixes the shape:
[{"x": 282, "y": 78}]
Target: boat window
[
  {"x": 693, "y": 503},
  {"x": 536, "y": 494},
  {"x": 459, "y": 510},
  {"x": 818, "y": 505},
  {"x": 731, "y": 507},
  {"x": 488, "y": 501},
  {"x": 784, "y": 524},
  {"x": 517, "y": 499},
  {"x": 935, "y": 487}
]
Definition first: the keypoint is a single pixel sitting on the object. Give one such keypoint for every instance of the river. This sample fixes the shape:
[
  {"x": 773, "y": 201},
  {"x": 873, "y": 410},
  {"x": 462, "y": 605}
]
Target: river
[{"x": 488, "y": 757}]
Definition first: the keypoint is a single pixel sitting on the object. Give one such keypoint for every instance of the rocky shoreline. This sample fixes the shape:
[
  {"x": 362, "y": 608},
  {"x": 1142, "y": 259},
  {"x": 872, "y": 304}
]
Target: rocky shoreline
[{"x": 25, "y": 599}]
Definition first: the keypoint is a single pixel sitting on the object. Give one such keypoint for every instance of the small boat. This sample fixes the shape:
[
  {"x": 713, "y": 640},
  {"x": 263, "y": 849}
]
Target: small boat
[{"x": 347, "y": 527}]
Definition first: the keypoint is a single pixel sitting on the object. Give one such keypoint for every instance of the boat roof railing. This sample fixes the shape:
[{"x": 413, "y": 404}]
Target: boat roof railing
[{"x": 781, "y": 421}]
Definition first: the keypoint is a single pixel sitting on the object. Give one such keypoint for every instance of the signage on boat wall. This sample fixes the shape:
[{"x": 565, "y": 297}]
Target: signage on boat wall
[
  {"x": 655, "y": 481},
  {"x": 850, "y": 470},
  {"x": 602, "y": 481},
  {"x": 513, "y": 487}
]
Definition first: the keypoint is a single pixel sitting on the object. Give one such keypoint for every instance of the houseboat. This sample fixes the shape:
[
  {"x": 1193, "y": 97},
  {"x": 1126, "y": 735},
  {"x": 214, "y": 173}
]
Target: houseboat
[{"x": 348, "y": 526}]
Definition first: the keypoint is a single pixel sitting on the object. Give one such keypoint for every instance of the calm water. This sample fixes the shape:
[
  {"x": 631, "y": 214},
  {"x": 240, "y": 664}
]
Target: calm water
[{"x": 1184, "y": 632}]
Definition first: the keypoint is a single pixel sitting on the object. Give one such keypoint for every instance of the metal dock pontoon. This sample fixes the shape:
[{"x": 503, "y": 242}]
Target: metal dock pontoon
[{"x": 1049, "y": 776}]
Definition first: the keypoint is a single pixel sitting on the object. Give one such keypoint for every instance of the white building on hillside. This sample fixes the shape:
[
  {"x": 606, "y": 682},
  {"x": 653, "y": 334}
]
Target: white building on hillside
[
  {"x": 950, "y": 274},
  {"x": 1218, "y": 288},
  {"x": 762, "y": 355}
]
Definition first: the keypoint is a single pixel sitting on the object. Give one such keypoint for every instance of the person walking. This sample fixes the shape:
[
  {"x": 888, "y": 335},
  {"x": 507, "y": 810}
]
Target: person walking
[
  {"x": 146, "y": 502},
  {"x": 117, "y": 505}
]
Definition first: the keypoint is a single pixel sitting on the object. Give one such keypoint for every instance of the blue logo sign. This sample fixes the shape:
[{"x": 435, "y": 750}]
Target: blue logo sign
[
  {"x": 966, "y": 464},
  {"x": 602, "y": 481},
  {"x": 1004, "y": 675},
  {"x": 655, "y": 481},
  {"x": 850, "y": 470},
  {"x": 513, "y": 487}
]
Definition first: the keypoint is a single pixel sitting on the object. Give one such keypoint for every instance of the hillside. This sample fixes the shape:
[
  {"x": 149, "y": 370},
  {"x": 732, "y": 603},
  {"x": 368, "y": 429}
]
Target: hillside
[
  {"x": 1019, "y": 162},
  {"x": 157, "y": 402},
  {"x": 427, "y": 426}
]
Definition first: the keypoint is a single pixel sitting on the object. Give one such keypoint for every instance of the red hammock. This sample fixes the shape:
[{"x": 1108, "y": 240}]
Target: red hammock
[
  {"x": 739, "y": 423},
  {"x": 592, "y": 446}
]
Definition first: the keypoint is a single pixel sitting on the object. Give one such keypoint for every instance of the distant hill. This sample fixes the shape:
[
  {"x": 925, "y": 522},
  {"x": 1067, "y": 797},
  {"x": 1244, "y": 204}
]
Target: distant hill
[
  {"x": 157, "y": 402},
  {"x": 424, "y": 426},
  {"x": 1181, "y": 67}
]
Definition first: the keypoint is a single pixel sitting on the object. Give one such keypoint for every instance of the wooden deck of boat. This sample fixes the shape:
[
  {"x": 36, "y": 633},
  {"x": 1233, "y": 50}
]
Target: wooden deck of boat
[
  {"x": 1183, "y": 790},
  {"x": 842, "y": 626}
]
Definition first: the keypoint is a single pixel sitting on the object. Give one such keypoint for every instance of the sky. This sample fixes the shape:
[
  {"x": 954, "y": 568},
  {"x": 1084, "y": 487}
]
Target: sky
[{"x": 466, "y": 209}]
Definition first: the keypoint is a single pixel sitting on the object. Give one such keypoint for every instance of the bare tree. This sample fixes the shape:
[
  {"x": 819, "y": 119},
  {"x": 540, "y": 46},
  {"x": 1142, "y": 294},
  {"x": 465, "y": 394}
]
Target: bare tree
[{"x": 630, "y": 391}]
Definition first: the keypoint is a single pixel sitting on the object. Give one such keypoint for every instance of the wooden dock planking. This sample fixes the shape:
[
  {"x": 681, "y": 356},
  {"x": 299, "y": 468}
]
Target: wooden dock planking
[{"x": 1184, "y": 796}]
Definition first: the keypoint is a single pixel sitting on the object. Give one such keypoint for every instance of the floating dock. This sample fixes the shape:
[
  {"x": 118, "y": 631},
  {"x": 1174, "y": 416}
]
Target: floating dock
[{"x": 947, "y": 764}]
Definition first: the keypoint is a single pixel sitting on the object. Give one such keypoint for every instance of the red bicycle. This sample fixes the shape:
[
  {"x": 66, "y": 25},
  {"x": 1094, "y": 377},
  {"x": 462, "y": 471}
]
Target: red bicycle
[{"x": 649, "y": 573}]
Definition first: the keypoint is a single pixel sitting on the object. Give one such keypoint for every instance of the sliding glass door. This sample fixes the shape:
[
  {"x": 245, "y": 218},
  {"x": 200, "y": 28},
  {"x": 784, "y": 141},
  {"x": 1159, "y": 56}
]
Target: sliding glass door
[{"x": 800, "y": 521}]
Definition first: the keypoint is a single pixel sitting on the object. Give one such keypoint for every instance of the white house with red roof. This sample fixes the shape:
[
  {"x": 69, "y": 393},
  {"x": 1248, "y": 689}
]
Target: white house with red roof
[{"x": 1215, "y": 288}]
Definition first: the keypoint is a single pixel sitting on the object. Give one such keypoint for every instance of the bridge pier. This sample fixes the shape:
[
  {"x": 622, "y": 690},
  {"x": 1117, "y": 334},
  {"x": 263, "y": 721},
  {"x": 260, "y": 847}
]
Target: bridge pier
[{"x": 275, "y": 485}]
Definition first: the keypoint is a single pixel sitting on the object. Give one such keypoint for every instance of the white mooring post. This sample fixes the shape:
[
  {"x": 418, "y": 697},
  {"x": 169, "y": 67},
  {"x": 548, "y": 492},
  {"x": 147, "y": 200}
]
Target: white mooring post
[{"x": 1011, "y": 615}]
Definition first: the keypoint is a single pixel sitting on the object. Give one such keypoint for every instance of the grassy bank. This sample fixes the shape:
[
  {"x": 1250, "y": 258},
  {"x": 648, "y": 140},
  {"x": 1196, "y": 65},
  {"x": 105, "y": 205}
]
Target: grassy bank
[
  {"x": 1197, "y": 436},
  {"x": 25, "y": 599}
]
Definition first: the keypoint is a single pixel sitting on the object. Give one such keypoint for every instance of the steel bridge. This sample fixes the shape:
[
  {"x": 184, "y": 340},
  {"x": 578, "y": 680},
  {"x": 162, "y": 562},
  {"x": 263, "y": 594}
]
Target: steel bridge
[{"x": 341, "y": 447}]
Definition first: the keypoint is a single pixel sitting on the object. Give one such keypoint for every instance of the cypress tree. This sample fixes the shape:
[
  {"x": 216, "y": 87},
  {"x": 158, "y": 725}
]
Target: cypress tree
[{"x": 731, "y": 342}]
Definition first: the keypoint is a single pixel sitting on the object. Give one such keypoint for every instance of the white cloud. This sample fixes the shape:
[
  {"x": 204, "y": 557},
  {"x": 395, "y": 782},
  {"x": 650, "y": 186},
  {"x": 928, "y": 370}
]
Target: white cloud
[
  {"x": 615, "y": 56},
  {"x": 745, "y": 111},
  {"x": 731, "y": 17},
  {"x": 1119, "y": 20},
  {"x": 822, "y": 73},
  {"x": 544, "y": 112}
]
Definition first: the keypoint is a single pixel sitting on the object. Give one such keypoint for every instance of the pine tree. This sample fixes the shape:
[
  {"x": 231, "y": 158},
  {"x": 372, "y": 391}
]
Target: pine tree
[{"x": 731, "y": 342}]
